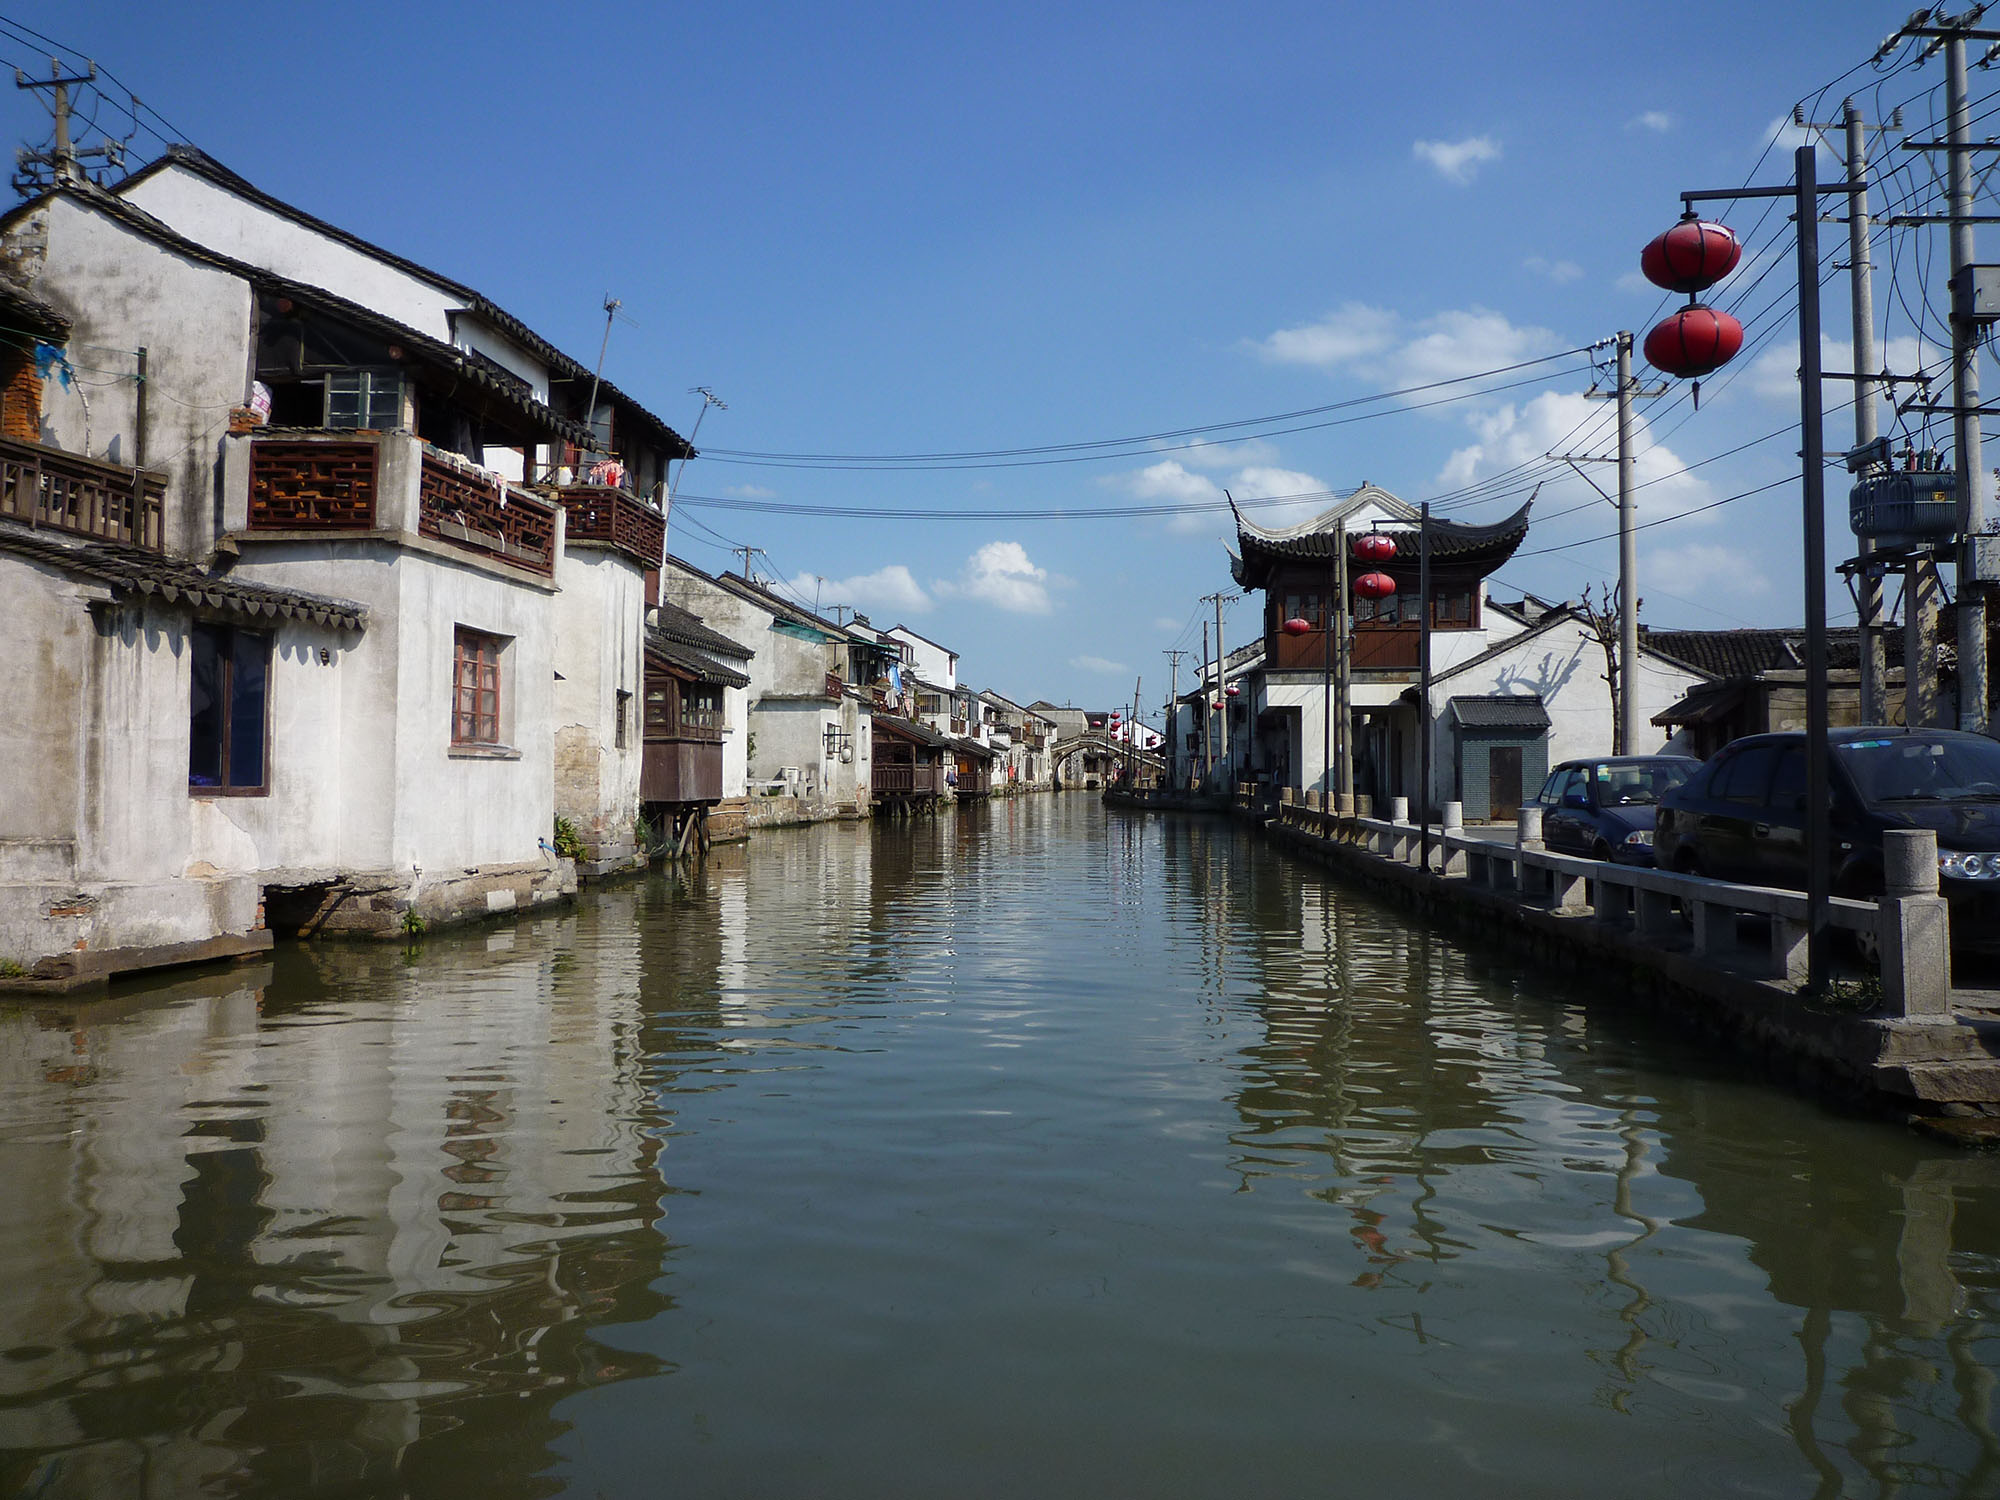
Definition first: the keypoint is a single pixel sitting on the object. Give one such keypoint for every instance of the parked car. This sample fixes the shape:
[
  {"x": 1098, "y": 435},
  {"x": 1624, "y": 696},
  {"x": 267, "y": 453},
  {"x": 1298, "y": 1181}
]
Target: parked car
[
  {"x": 1604, "y": 808},
  {"x": 1741, "y": 817}
]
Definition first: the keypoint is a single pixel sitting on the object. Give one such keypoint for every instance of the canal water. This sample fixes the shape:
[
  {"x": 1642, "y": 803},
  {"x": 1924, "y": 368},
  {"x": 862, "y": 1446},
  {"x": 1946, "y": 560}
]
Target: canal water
[{"x": 1037, "y": 1151}]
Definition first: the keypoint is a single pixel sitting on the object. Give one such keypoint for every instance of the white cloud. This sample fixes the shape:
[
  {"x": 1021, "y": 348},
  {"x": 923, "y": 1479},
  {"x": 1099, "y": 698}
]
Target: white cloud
[
  {"x": 1169, "y": 480},
  {"x": 1351, "y": 332},
  {"x": 1001, "y": 574},
  {"x": 1098, "y": 664},
  {"x": 750, "y": 491},
  {"x": 1379, "y": 345},
  {"x": 1774, "y": 374},
  {"x": 1165, "y": 622},
  {"x": 1652, "y": 119},
  {"x": 891, "y": 587},
  {"x": 1558, "y": 271},
  {"x": 1704, "y": 568},
  {"x": 1457, "y": 161},
  {"x": 1562, "y": 422},
  {"x": 1781, "y": 133},
  {"x": 1207, "y": 455}
]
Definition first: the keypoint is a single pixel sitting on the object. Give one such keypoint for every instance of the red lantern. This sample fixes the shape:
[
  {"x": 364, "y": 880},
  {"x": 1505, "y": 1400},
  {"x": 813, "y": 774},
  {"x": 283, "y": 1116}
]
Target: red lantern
[
  {"x": 1234, "y": 689},
  {"x": 1374, "y": 547},
  {"x": 1218, "y": 705},
  {"x": 1691, "y": 256},
  {"x": 1694, "y": 341},
  {"x": 1374, "y": 585},
  {"x": 1296, "y": 626}
]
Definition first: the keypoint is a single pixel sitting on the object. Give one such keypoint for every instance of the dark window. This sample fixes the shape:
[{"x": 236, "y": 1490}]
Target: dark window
[
  {"x": 1451, "y": 609},
  {"x": 1788, "y": 787},
  {"x": 371, "y": 400},
  {"x": 1746, "y": 776},
  {"x": 228, "y": 709},
  {"x": 624, "y": 713},
  {"x": 1381, "y": 611},
  {"x": 475, "y": 689}
]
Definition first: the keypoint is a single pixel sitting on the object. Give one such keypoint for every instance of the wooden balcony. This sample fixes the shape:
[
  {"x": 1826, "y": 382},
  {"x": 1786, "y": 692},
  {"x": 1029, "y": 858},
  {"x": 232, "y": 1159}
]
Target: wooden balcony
[
  {"x": 681, "y": 770},
  {"x": 617, "y": 517},
  {"x": 1376, "y": 648},
  {"x": 67, "y": 492},
  {"x": 469, "y": 508},
  {"x": 312, "y": 486},
  {"x": 894, "y": 779}
]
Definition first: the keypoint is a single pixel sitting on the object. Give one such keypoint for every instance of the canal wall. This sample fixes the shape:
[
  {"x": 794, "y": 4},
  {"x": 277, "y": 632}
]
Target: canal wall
[{"x": 1894, "y": 1039}]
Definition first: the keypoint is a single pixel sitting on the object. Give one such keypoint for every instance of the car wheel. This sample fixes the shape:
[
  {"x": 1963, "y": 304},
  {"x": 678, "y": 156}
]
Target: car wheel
[{"x": 1601, "y": 850}]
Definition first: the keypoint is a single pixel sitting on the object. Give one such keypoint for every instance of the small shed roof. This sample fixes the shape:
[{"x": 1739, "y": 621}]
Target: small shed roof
[{"x": 1500, "y": 712}]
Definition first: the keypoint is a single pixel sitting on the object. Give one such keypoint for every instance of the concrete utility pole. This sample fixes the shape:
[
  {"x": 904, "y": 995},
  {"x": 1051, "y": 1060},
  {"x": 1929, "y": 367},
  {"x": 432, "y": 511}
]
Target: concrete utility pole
[
  {"x": 1861, "y": 297},
  {"x": 1206, "y": 757},
  {"x": 1221, "y": 681},
  {"x": 1173, "y": 717},
  {"x": 1627, "y": 390},
  {"x": 64, "y": 162},
  {"x": 1972, "y": 588}
]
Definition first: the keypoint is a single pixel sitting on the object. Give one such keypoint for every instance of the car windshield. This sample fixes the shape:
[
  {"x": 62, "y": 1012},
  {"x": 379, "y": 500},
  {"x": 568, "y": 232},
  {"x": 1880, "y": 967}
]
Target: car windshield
[
  {"x": 1638, "y": 785},
  {"x": 1918, "y": 769}
]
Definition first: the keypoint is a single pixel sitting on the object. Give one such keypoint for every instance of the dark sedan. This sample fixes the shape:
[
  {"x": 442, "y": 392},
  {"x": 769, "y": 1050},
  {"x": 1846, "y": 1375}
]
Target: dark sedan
[
  {"x": 1605, "y": 807},
  {"x": 1741, "y": 817}
]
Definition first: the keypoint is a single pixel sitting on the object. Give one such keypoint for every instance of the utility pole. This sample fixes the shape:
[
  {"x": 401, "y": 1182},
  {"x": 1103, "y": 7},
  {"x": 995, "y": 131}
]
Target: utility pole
[
  {"x": 1173, "y": 718},
  {"x": 1221, "y": 681},
  {"x": 1861, "y": 299},
  {"x": 64, "y": 162},
  {"x": 1627, "y": 390},
  {"x": 1328, "y": 777},
  {"x": 1972, "y": 588},
  {"x": 748, "y": 553},
  {"x": 1206, "y": 758}
]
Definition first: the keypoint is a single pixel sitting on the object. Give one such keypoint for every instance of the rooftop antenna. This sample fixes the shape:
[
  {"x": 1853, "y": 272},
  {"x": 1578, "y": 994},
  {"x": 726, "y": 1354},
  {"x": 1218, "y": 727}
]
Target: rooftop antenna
[
  {"x": 611, "y": 306},
  {"x": 708, "y": 399}
]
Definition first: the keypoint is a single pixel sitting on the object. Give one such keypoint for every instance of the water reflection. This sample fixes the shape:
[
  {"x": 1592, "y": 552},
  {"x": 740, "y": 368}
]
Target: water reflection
[
  {"x": 337, "y": 1225},
  {"x": 1104, "y": 1154}
]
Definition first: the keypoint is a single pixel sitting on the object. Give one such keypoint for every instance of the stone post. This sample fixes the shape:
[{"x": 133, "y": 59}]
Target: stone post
[
  {"x": 1913, "y": 927},
  {"x": 1528, "y": 840},
  {"x": 1454, "y": 827}
]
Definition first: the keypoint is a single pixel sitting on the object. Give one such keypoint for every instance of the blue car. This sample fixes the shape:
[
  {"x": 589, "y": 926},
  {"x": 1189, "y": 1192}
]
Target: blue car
[{"x": 1604, "y": 808}]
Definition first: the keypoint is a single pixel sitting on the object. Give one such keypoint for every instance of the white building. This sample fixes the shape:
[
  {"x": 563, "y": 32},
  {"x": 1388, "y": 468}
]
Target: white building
[
  {"x": 296, "y": 556},
  {"x": 1514, "y": 687}
]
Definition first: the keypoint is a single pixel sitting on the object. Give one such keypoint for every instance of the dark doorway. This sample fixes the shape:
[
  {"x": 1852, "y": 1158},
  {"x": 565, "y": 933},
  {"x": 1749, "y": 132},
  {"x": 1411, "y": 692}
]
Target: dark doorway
[{"x": 1503, "y": 780}]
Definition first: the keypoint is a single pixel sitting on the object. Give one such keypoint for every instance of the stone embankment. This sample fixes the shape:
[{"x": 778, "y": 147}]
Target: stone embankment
[{"x": 1890, "y": 1033}]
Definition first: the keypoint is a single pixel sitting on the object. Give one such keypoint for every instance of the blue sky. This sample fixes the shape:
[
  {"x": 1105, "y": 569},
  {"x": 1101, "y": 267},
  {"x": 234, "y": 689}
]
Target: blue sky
[{"x": 922, "y": 229}]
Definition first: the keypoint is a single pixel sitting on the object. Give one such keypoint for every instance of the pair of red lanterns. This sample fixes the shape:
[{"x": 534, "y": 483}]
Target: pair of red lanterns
[
  {"x": 1691, "y": 257},
  {"x": 1371, "y": 546}
]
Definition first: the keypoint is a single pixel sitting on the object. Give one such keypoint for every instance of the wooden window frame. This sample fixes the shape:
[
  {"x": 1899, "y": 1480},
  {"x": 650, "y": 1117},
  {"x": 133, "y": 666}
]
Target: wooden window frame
[
  {"x": 482, "y": 653},
  {"x": 225, "y": 708}
]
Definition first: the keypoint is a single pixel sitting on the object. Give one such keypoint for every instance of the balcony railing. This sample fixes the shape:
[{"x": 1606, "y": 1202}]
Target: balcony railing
[
  {"x": 1376, "y": 648},
  {"x": 469, "y": 508},
  {"x": 891, "y": 779},
  {"x": 312, "y": 486},
  {"x": 67, "y": 492},
  {"x": 597, "y": 514}
]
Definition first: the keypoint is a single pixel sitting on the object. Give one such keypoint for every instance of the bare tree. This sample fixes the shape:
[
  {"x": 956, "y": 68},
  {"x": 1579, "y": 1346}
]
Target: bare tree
[{"x": 1601, "y": 619}]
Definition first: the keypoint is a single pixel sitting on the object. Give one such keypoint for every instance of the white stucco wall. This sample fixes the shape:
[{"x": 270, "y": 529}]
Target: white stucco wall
[
  {"x": 199, "y": 210},
  {"x": 928, "y": 660},
  {"x": 123, "y": 292},
  {"x": 599, "y": 617}
]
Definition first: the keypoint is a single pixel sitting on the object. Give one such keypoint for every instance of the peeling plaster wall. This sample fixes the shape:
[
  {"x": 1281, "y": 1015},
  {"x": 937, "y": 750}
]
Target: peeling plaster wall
[
  {"x": 598, "y": 655},
  {"x": 121, "y": 292}
]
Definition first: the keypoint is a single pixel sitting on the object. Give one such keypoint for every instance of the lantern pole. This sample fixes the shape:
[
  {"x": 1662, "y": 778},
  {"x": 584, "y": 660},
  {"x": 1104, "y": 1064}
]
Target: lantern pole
[
  {"x": 1805, "y": 193},
  {"x": 1343, "y": 789},
  {"x": 1424, "y": 685},
  {"x": 1327, "y": 778}
]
